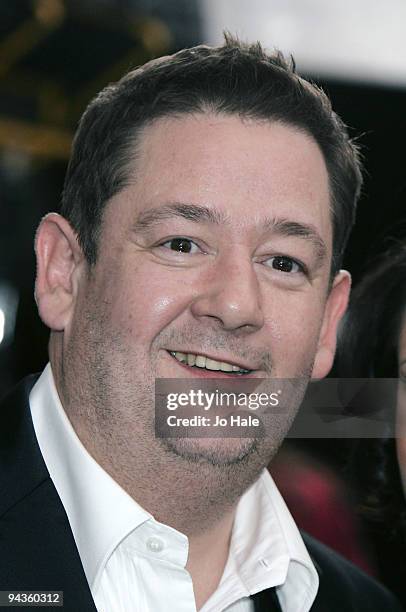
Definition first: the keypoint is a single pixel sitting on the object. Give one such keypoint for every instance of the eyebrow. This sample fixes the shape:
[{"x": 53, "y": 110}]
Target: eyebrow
[
  {"x": 286, "y": 227},
  {"x": 191, "y": 212},
  {"x": 203, "y": 214}
]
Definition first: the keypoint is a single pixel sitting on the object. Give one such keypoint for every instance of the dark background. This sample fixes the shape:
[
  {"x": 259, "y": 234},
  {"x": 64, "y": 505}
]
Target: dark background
[{"x": 55, "y": 56}]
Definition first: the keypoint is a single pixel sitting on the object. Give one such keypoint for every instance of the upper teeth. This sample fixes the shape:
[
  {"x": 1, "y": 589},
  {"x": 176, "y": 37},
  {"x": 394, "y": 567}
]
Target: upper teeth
[{"x": 204, "y": 362}]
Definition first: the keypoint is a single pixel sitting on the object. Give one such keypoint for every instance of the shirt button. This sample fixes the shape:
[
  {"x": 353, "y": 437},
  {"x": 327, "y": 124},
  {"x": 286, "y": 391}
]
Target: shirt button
[{"x": 155, "y": 544}]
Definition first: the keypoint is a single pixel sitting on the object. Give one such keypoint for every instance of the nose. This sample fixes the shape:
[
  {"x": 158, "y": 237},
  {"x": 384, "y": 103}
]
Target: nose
[{"x": 230, "y": 294}]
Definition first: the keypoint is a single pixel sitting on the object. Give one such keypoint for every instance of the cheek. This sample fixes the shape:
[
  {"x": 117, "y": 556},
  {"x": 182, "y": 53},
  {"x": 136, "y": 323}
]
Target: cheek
[
  {"x": 297, "y": 316},
  {"x": 146, "y": 304},
  {"x": 294, "y": 327}
]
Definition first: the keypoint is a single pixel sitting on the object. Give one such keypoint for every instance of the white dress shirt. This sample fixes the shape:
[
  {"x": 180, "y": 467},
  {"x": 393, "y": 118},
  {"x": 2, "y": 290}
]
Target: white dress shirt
[{"x": 133, "y": 563}]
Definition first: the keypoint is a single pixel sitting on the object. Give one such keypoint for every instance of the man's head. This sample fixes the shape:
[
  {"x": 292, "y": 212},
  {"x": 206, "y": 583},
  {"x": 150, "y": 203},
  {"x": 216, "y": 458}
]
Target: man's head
[
  {"x": 216, "y": 240},
  {"x": 234, "y": 79}
]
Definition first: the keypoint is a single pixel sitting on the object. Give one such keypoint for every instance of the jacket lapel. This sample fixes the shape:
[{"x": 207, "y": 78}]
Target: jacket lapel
[
  {"x": 37, "y": 548},
  {"x": 266, "y": 601}
]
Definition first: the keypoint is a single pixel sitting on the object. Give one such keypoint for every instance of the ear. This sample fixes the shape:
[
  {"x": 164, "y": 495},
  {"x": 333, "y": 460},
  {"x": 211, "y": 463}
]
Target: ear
[
  {"x": 59, "y": 257},
  {"x": 336, "y": 305}
]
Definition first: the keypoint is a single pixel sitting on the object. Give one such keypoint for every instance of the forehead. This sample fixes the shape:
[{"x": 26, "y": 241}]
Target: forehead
[{"x": 248, "y": 169}]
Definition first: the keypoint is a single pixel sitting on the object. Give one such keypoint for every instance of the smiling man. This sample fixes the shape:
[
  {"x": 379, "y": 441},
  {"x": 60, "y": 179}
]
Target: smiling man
[{"x": 206, "y": 207}]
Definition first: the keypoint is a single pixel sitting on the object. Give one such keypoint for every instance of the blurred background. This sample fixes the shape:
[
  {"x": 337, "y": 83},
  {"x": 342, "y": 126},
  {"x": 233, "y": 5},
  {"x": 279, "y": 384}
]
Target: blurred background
[{"x": 55, "y": 55}]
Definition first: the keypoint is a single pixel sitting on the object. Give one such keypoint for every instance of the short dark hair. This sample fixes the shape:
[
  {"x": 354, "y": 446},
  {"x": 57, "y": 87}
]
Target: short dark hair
[{"x": 235, "y": 78}]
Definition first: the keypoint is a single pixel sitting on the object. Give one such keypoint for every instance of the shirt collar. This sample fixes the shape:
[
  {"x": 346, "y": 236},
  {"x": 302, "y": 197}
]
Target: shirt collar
[
  {"x": 266, "y": 547},
  {"x": 89, "y": 495},
  {"x": 266, "y": 551}
]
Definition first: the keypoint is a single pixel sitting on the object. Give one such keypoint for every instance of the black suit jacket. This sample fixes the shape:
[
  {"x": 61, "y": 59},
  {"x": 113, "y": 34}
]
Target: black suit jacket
[{"x": 38, "y": 552}]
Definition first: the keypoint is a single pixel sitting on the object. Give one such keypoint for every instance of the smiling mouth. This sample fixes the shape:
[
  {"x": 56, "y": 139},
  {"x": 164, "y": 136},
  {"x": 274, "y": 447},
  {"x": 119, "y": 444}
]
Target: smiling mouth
[{"x": 201, "y": 362}]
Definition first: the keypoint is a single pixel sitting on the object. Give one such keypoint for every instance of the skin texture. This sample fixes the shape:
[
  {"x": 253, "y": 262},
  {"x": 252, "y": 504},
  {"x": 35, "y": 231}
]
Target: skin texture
[{"x": 113, "y": 324}]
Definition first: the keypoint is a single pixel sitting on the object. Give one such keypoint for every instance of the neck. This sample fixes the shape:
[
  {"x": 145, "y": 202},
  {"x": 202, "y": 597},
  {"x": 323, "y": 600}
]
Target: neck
[
  {"x": 208, "y": 554},
  {"x": 197, "y": 502},
  {"x": 193, "y": 498}
]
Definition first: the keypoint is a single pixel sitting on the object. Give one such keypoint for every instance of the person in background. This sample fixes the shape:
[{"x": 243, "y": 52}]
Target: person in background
[{"x": 372, "y": 343}]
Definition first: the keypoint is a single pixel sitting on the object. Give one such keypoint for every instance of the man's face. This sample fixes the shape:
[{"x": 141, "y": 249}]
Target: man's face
[{"x": 243, "y": 280}]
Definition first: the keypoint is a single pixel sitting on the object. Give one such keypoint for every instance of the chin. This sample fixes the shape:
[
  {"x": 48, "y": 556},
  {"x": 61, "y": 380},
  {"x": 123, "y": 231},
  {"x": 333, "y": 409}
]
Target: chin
[{"x": 213, "y": 451}]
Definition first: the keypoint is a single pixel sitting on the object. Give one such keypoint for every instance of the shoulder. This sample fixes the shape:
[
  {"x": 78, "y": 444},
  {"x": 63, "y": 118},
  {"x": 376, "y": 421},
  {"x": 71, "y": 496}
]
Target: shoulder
[
  {"x": 15, "y": 413},
  {"x": 343, "y": 586},
  {"x": 21, "y": 465}
]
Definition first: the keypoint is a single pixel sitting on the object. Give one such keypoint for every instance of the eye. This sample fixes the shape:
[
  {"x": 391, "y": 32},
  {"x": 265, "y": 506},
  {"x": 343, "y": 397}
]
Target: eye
[
  {"x": 282, "y": 263},
  {"x": 180, "y": 245}
]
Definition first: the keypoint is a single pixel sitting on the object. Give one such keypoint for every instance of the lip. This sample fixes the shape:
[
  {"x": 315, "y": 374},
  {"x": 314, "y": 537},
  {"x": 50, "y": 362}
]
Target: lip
[{"x": 197, "y": 372}]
